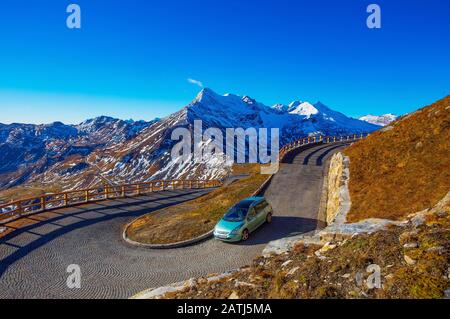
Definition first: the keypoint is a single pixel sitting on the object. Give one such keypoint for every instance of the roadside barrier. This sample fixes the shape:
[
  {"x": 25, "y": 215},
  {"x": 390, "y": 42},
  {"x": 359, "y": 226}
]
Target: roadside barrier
[
  {"x": 71, "y": 198},
  {"x": 319, "y": 139}
]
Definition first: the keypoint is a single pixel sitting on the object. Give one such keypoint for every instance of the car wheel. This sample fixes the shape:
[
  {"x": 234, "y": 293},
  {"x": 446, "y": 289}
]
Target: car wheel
[
  {"x": 269, "y": 218},
  {"x": 245, "y": 235}
]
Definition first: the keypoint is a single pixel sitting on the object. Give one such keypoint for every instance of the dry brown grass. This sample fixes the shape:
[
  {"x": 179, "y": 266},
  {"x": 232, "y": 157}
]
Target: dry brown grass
[
  {"x": 194, "y": 218},
  {"x": 403, "y": 170}
]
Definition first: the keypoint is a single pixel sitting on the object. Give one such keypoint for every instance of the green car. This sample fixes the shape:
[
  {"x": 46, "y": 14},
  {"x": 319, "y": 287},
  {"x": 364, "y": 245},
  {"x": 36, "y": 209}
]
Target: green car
[{"x": 243, "y": 218}]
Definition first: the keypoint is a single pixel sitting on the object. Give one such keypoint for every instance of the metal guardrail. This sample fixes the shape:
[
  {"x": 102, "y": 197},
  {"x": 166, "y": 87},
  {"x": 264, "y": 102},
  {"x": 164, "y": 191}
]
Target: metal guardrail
[{"x": 71, "y": 198}]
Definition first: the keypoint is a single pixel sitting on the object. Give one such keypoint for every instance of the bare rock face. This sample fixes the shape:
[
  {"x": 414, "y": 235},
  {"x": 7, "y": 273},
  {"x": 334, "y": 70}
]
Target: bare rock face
[
  {"x": 437, "y": 249},
  {"x": 409, "y": 261},
  {"x": 234, "y": 295},
  {"x": 411, "y": 245},
  {"x": 419, "y": 219}
]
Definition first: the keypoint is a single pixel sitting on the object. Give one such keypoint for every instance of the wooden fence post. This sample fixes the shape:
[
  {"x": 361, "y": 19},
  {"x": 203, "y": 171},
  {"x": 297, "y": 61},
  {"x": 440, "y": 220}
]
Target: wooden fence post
[
  {"x": 19, "y": 208},
  {"x": 43, "y": 203},
  {"x": 66, "y": 199}
]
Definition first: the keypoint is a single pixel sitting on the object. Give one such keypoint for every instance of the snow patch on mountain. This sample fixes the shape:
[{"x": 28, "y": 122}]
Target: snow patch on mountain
[{"x": 381, "y": 120}]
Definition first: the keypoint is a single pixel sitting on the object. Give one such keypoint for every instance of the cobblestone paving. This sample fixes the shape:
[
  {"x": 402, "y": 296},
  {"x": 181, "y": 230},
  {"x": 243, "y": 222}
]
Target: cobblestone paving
[{"x": 34, "y": 259}]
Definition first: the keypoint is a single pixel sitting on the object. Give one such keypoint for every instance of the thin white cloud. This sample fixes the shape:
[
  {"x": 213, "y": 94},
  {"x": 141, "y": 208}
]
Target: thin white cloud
[{"x": 195, "y": 82}]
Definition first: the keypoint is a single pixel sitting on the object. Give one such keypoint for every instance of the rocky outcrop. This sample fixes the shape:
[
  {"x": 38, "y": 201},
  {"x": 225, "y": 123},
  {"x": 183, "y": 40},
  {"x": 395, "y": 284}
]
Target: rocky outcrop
[{"x": 158, "y": 293}]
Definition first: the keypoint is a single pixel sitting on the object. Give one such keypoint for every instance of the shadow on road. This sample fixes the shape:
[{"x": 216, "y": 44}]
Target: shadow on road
[
  {"x": 42, "y": 232},
  {"x": 320, "y": 159},
  {"x": 281, "y": 227}
]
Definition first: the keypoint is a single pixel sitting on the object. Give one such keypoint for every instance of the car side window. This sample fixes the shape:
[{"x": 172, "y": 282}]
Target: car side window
[
  {"x": 257, "y": 208},
  {"x": 261, "y": 207},
  {"x": 265, "y": 206},
  {"x": 251, "y": 213}
]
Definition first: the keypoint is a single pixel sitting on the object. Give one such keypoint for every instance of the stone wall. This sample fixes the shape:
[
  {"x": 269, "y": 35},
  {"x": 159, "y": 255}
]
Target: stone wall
[{"x": 338, "y": 197}]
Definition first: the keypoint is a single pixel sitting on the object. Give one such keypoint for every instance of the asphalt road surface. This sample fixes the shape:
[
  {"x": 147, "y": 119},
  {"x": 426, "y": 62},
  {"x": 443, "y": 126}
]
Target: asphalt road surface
[{"x": 34, "y": 259}]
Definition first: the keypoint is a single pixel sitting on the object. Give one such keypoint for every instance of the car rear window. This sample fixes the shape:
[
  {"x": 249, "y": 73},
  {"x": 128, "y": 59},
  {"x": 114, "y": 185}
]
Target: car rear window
[{"x": 245, "y": 204}]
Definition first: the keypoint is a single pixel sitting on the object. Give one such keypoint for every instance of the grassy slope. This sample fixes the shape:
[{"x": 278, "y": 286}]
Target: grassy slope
[
  {"x": 403, "y": 170},
  {"x": 194, "y": 218}
]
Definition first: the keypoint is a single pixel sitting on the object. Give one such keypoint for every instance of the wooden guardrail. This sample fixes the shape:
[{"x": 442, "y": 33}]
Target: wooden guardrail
[{"x": 70, "y": 198}]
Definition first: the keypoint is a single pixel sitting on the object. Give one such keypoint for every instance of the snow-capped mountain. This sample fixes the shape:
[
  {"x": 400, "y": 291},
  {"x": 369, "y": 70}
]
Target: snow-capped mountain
[
  {"x": 381, "y": 120},
  {"x": 296, "y": 120},
  {"x": 109, "y": 130},
  {"x": 29, "y": 150},
  {"x": 115, "y": 151}
]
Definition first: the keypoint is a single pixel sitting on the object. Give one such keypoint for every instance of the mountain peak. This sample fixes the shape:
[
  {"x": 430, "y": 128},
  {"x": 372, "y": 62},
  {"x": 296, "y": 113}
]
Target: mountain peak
[
  {"x": 205, "y": 94},
  {"x": 99, "y": 119},
  {"x": 247, "y": 99},
  {"x": 294, "y": 104},
  {"x": 305, "y": 109}
]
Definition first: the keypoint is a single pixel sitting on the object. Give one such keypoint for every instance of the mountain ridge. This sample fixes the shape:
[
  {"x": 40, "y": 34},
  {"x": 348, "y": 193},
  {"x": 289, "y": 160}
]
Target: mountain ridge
[{"x": 128, "y": 151}]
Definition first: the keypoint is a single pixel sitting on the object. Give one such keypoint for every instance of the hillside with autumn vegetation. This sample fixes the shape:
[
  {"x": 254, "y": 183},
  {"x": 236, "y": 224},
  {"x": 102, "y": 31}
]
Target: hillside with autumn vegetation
[{"x": 403, "y": 168}]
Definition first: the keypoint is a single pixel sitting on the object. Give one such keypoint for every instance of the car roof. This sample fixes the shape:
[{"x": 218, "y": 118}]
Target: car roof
[
  {"x": 246, "y": 203},
  {"x": 256, "y": 198}
]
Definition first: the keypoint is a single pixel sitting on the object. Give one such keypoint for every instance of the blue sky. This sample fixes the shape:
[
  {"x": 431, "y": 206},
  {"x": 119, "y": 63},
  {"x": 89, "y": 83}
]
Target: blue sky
[{"x": 132, "y": 59}]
